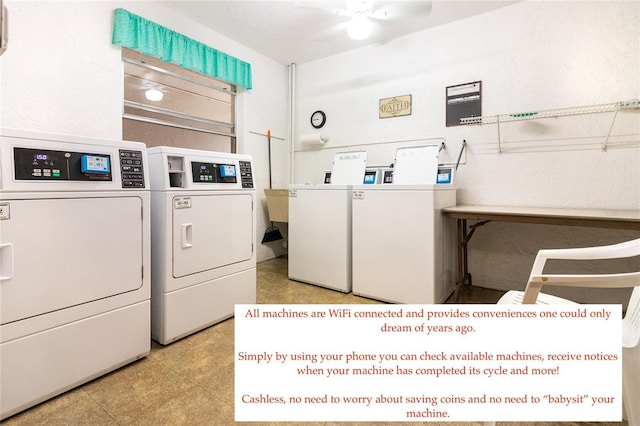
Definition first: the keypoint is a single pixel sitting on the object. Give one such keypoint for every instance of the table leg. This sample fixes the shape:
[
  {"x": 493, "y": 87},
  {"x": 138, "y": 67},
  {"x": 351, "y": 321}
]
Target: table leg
[
  {"x": 462, "y": 251},
  {"x": 464, "y": 236}
]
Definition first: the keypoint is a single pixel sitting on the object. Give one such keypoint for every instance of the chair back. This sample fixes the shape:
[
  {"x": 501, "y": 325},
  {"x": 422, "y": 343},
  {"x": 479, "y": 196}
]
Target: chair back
[
  {"x": 631, "y": 321},
  {"x": 631, "y": 359},
  {"x": 631, "y": 339}
]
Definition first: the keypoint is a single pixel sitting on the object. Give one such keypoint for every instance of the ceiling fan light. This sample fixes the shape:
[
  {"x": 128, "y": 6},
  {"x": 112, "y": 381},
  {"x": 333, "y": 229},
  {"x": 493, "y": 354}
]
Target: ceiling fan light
[
  {"x": 360, "y": 27},
  {"x": 154, "y": 95}
]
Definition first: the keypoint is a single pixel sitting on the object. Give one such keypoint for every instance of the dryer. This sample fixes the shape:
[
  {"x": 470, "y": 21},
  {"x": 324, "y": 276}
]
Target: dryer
[
  {"x": 74, "y": 262},
  {"x": 203, "y": 241}
]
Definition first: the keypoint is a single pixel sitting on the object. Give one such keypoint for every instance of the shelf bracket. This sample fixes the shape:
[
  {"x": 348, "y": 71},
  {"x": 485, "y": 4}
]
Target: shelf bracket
[
  {"x": 613, "y": 120},
  {"x": 499, "y": 138}
]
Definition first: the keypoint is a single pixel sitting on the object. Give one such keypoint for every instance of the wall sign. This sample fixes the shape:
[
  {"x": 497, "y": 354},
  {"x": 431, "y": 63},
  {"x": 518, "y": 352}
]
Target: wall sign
[
  {"x": 463, "y": 100},
  {"x": 395, "y": 107}
]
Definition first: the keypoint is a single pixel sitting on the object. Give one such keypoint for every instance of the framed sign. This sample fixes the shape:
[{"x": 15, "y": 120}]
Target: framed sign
[
  {"x": 395, "y": 107},
  {"x": 463, "y": 100}
]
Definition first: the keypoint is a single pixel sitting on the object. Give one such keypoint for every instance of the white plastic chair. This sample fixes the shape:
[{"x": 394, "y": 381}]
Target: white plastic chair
[{"x": 630, "y": 323}]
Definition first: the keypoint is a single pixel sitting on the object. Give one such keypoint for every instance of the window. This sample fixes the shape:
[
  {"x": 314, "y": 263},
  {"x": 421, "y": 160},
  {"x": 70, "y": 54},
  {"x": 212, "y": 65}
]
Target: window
[{"x": 194, "y": 111}]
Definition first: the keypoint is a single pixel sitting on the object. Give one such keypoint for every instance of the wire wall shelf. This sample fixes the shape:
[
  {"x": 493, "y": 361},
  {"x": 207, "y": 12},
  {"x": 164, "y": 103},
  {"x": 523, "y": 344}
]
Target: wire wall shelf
[{"x": 630, "y": 105}]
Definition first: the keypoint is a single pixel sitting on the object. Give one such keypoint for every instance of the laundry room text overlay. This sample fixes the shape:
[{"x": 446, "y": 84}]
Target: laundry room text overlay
[{"x": 428, "y": 362}]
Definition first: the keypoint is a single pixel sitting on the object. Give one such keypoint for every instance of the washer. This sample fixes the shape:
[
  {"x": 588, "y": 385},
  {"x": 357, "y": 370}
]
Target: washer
[
  {"x": 74, "y": 263},
  {"x": 320, "y": 225},
  {"x": 402, "y": 244},
  {"x": 203, "y": 223},
  {"x": 320, "y": 235}
]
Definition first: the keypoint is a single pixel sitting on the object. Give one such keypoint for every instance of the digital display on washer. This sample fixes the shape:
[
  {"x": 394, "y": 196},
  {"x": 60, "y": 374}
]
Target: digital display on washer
[
  {"x": 370, "y": 177},
  {"x": 213, "y": 172},
  {"x": 445, "y": 175}
]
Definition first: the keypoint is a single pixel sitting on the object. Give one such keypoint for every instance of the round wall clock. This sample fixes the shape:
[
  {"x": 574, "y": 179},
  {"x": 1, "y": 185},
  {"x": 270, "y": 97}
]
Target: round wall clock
[{"x": 318, "y": 119}]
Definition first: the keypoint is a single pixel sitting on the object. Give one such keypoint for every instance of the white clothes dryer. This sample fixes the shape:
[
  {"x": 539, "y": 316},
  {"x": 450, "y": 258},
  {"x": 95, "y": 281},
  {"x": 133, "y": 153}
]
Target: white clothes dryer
[
  {"x": 203, "y": 239},
  {"x": 74, "y": 262}
]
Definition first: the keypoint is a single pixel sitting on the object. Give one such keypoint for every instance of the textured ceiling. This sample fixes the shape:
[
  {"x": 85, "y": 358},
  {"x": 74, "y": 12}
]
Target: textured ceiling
[{"x": 301, "y": 31}]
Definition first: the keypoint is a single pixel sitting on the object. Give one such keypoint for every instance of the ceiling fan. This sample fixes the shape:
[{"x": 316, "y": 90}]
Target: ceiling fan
[{"x": 363, "y": 14}]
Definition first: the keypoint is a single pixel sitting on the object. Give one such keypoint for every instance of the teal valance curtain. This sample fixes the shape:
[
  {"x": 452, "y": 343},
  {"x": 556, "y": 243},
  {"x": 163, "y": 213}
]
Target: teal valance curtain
[{"x": 137, "y": 33}]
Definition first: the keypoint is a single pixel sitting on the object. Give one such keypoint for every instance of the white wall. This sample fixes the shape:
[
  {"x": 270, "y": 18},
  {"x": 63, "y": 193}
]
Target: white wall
[
  {"x": 530, "y": 56},
  {"x": 61, "y": 74}
]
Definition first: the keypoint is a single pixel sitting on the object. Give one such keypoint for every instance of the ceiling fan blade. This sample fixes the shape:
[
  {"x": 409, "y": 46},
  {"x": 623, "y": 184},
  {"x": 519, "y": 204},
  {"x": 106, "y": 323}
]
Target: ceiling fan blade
[
  {"x": 330, "y": 6},
  {"x": 401, "y": 9}
]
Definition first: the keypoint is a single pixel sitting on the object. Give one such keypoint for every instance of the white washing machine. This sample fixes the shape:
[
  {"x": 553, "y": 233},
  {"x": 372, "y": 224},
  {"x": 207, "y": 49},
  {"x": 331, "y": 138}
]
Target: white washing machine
[
  {"x": 320, "y": 235},
  {"x": 320, "y": 225},
  {"x": 403, "y": 247},
  {"x": 203, "y": 240},
  {"x": 74, "y": 263}
]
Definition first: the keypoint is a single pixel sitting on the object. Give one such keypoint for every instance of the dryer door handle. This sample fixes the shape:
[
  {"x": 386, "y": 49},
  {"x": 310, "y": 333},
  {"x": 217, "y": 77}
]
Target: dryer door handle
[
  {"x": 6, "y": 261},
  {"x": 187, "y": 235}
]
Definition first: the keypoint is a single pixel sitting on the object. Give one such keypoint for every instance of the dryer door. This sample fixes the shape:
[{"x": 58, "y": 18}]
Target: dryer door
[
  {"x": 63, "y": 252},
  {"x": 211, "y": 231}
]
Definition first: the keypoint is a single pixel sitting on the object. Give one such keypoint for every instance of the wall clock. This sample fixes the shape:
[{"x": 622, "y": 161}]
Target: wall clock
[{"x": 318, "y": 119}]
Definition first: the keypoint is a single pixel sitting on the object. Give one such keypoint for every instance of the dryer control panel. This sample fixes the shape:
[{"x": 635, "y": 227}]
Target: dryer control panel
[
  {"x": 46, "y": 164},
  {"x": 186, "y": 169},
  {"x": 246, "y": 175},
  {"x": 31, "y": 164},
  {"x": 222, "y": 173},
  {"x": 210, "y": 173},
  {"x": 214, "y": 172},
  {"x": 131, "y": 168}
]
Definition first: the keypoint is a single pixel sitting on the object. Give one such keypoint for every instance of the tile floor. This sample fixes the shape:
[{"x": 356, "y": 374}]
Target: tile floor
[{"x": 190, "y": 382}]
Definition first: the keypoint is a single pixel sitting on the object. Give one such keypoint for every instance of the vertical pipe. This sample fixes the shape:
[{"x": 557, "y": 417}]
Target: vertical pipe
[{"x": 292, "y": 116}]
